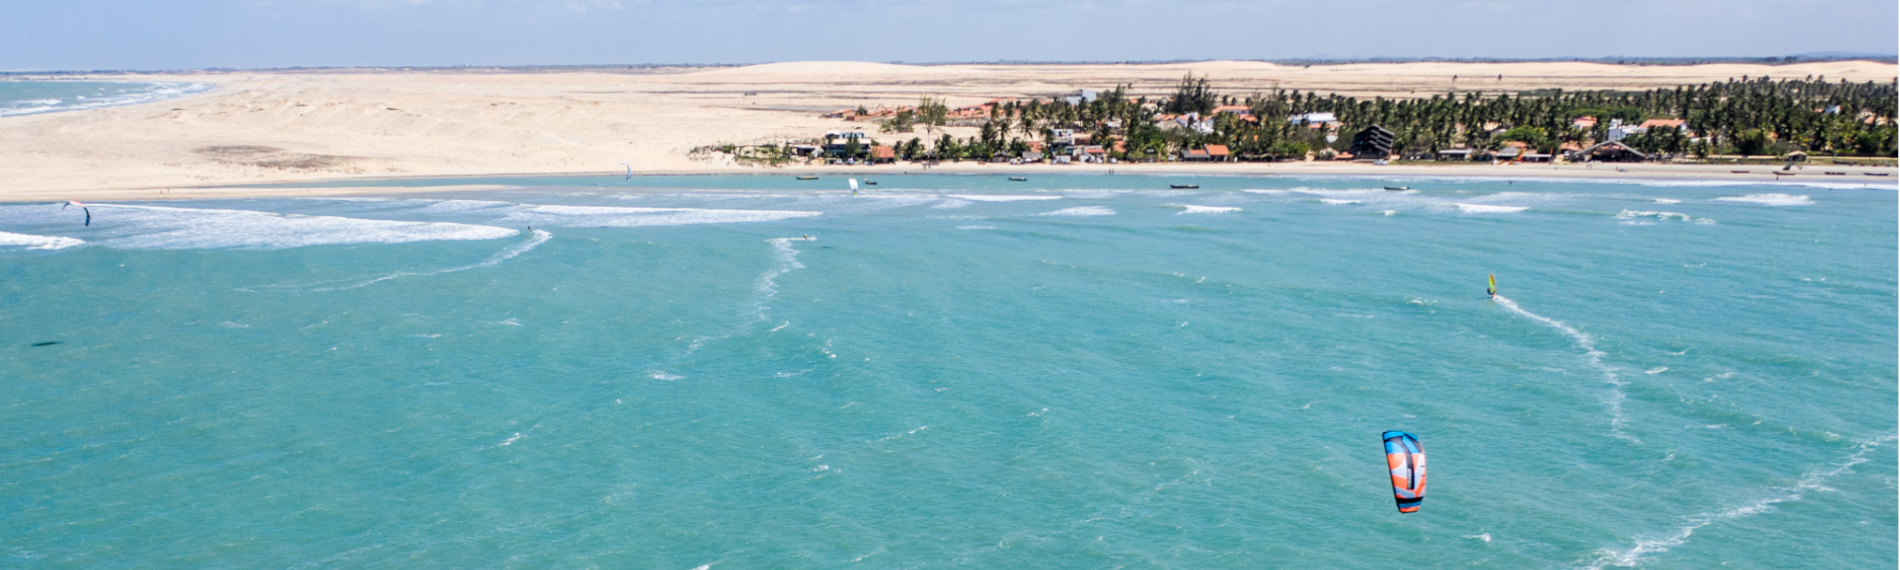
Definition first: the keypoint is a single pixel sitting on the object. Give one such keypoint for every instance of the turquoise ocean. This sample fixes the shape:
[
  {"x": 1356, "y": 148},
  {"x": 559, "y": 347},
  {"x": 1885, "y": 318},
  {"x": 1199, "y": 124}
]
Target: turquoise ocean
[
  {"x": 955, "y": 372},
  {"x": 31, "y": 97}
]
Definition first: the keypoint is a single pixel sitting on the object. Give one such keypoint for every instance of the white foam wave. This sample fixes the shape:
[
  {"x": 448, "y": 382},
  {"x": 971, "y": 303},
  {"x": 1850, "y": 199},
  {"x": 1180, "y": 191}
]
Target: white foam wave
[
  {"x": 624, "y": 217},
  {"x": 1633, "y": 214},
  {"x": 1347, "y": 192},
  {"x": 1595, "y": 357},
  {"x": 535, "y": 239},
  {"x": 1002, "y": 197},
  {"x": 1667, "y": 201},
  {"x": 158, "y": 227},
  {"x": 1081, "y": 211},
  {"x": 159, "y": 91},
  {"x": 1488, "y": 209},
  {"x": 976, "y": 227},
  {"x": 785, "y": 260},
  {"x": 37, "y": 242},
  {"x": 1769, "y": 199},
  {"x": 1814, "y": 480},
  {"x": 1337, "y": 201},
  {"x": 950, "y": 204},
  {"x": 1193, "y": 209}
]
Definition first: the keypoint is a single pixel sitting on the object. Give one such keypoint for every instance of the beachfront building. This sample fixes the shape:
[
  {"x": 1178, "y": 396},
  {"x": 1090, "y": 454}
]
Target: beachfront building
[
  {"x": 1373, "y": 143},
  {"x": 843, "y": 144},
  {"x": 1455, "y": 154},
  {"x": 1314, "y": 120},
  {"x": 1209, "y": 153},
  {"x": 1609, "y": 151},
  {"x": 1190, "y": 121}
]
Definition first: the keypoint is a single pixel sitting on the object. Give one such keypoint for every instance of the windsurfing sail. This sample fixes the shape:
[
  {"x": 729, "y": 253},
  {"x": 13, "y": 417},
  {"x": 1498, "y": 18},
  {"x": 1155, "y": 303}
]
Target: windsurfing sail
[
  {"x": 629, "y": 170},
  {"x": 1493, "y": 289},
  {"x": 1405, "y": 460},
  {"x": 854, "y": 184}
]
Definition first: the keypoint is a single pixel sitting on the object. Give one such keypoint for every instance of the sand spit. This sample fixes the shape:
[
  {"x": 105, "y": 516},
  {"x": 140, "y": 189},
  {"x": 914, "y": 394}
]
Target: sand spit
[{"x": 272, "y": 127}]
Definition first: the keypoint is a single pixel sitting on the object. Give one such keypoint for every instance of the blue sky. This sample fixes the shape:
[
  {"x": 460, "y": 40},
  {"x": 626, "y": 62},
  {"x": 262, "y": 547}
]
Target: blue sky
[{"x": 122, "y": 34}]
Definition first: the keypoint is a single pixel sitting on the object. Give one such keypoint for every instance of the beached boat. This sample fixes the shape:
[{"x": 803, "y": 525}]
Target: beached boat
[
  {"x": 1835, "y": 173},
  {"x": 1878, "y": 173},
  {"x": 1184, "y": 186},
  {"x": 807, "y": 178},
  {"x": 1738, "y": 172}
]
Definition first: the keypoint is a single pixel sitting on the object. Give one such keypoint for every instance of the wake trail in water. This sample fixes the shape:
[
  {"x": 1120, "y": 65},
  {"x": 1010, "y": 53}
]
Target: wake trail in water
[
  {"x": 1812, "y": 481},
  {"x": 785, "y": 260},
  {"x": 535, "y": 239},
  {"x": 1595, "y": 357}
]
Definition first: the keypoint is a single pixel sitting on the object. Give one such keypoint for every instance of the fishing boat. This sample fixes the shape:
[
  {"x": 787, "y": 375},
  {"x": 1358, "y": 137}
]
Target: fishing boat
[
  {"x": 1835, "y": 173},
  {"x": 1018, "y": 179},
  {"x": 870, "y": 183},
  {"x": 1184, "y": 186},
  {"x": 807, "y": 178},
  {"x": 1878, "y": 173},
  {"x": 1398, "y": 188}
]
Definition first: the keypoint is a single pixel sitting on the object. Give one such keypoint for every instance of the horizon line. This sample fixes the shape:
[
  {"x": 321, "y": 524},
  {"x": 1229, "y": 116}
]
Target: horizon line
[{"x": 1816, "y": 57}]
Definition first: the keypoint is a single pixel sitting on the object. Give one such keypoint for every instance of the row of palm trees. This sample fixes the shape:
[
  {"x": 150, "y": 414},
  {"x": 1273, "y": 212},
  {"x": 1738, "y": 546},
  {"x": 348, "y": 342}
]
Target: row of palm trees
[{"x": 1747, "y": 116}]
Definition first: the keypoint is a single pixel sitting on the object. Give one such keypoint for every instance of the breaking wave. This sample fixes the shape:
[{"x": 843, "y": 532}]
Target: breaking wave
[
  {"x": 1769, "y": 199},
  {"x": 25, "y": 241}
]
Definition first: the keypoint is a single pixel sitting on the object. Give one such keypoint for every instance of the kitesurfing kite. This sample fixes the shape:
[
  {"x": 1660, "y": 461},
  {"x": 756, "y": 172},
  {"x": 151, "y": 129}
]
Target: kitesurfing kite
[
  {"x": 1405, "y": 460},
  {"x": 71, "y": 203},
  {"x": 1493, "y": 289},
  {"x": 629, "y": 170}
]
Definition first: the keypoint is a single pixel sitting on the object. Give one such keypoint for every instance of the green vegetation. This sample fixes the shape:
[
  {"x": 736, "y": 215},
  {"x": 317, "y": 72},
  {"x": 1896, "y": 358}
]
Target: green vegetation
[
  {"x": 1750, "y": 117},
  {"x": 1759, "y": 117}
]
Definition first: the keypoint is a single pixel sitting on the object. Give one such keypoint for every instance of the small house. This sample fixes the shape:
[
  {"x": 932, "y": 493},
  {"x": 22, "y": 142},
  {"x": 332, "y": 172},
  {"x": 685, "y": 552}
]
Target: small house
[{"x": 1219, "y": 153}]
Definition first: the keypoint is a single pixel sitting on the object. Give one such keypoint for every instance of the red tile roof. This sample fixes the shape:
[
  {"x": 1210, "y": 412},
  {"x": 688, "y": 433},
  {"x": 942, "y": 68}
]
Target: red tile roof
[{"x": 1217, "y": 150}]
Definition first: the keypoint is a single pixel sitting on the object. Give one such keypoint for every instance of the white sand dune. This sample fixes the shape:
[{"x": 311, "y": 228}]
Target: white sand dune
[{"x": 286, "y": 126}]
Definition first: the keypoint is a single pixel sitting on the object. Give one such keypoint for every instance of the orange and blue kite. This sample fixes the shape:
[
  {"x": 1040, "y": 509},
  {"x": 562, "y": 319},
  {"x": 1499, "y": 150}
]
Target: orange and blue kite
[{"x": 1405, "y": 459}]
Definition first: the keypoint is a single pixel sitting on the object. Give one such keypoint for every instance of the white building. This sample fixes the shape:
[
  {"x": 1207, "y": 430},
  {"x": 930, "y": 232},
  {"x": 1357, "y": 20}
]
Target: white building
[{"x": 1313, "y": 119}]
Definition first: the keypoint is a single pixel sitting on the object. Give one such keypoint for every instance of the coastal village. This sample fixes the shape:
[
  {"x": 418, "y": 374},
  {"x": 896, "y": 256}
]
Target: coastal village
[{"x": 1759, "y": 120}]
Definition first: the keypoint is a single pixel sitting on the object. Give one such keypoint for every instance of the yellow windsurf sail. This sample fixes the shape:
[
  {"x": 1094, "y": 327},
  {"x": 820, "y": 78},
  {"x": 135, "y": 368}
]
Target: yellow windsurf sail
[{"x": 1494, "y": 285}]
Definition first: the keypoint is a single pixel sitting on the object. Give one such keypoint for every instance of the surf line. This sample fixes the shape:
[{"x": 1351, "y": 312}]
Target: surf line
[
  {"x": 535, "y": 239},
  {"x": 1812, "y": 481},
  {"x": 1592, "y": 355},
  {"x": 785, "y": 260}
]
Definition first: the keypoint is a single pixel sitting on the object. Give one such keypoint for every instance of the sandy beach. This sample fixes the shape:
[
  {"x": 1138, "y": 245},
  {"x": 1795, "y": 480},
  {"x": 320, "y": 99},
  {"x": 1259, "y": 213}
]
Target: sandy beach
[{"x": 256, "y": 128}]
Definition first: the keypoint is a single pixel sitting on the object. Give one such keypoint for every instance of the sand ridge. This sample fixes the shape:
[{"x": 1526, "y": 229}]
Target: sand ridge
[{"x": 287, "y": 126}]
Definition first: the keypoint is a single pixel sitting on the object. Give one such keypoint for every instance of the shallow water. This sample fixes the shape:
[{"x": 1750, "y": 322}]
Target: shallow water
[
  {"x": 955, "y": 371},
  {"x": 31, "y": 97}
]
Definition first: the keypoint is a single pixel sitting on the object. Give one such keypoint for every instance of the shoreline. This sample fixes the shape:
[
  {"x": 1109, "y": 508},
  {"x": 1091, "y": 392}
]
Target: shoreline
[
  {"x": 259, "y": 128},
  {"x": 1636, "y": 173}
]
